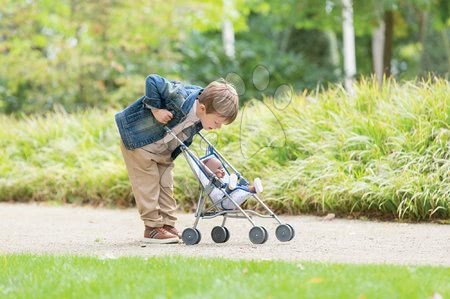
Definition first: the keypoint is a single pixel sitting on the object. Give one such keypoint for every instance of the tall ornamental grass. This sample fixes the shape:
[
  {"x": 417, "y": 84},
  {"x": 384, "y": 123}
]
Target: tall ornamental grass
[
  {"x": 71, "y": 158},
  {"x": 383, "y": 152}
]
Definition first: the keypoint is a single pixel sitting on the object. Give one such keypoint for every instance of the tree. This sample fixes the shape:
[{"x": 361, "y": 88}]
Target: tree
[
  {"x": 349, "y": 44},
  {"x": 228, "y": 29},
  {"x": 407, "y": 22},
  {"x": 79, "y": 54}
]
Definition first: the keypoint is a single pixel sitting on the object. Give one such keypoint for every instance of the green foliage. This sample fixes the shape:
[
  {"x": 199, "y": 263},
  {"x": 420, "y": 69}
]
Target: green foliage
[
  {"x": 204, "y": 58},
  {"x": 25, "y": 276},
  {"x": 61, "y": 157},
  {"x": 79, "y": 54},
  {"x": 381, "y": 153}
]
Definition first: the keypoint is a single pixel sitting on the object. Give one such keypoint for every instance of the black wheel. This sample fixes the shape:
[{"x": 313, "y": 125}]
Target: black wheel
[
  {"x": 258, "y": 235},
  {"x": 191, "y": 236},
  {"x": 220, "y": 234},
  {"x": 228, "y": 234},
  {"x": 267, "y": 234},
  {"x": 293, "y": 231},
  {"x": 284, "y": 232}
]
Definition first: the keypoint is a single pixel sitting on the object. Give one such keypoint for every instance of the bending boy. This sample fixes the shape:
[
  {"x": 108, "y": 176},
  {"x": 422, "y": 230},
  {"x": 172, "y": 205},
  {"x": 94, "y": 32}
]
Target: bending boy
[{"x": 149, "y": 152}]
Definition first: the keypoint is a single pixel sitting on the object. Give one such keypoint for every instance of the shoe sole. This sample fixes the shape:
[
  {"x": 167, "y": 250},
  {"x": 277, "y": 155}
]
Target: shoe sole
[{"x": 161, "y": 241}]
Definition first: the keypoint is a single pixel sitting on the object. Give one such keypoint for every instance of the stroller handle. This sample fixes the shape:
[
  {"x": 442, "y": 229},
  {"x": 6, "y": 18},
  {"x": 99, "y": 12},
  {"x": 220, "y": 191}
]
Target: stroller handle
[{"x": 215, "y": 180}]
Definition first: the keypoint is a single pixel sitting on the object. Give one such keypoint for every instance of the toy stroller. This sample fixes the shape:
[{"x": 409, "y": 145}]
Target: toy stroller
[{"x": 225, "y": 201}]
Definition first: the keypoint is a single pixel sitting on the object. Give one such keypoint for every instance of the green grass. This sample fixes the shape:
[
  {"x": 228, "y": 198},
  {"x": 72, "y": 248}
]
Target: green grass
[
  {"x": 26, "y": 276},
  {"x": 384, "y": 153},
  {"x": 72, "y": 158}
]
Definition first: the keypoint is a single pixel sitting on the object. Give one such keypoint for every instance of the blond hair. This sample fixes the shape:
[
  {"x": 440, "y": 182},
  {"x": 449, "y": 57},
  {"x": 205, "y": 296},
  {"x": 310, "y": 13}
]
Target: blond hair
[{"x": 220, "y": 97}]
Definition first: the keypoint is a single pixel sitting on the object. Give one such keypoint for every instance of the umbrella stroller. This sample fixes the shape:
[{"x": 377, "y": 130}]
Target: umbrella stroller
[{"x": 225, "y": 199}]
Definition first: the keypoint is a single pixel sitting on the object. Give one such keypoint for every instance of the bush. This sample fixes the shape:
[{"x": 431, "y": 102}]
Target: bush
[{"x": 383, "y": 153}]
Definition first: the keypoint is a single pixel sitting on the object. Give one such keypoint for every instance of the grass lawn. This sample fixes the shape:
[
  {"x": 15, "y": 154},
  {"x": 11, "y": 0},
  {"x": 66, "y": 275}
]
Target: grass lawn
[{"x": 29, "y": 276}]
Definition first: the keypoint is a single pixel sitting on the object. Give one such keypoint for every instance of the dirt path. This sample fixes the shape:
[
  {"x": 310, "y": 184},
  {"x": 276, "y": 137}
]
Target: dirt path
[{"x": 111, "y": 233}]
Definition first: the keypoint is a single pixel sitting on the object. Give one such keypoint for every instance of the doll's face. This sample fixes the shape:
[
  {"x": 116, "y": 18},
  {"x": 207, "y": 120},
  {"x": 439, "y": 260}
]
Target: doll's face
[{"x": 216, "y": 167}]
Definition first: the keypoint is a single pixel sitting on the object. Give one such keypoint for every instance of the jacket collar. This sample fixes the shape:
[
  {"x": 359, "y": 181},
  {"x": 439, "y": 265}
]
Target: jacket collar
[{"x": 189, "y": 102}]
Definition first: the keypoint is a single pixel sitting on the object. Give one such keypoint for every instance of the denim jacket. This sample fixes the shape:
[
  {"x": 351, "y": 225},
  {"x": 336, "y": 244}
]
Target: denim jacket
[{"x": 136, "y": 123}]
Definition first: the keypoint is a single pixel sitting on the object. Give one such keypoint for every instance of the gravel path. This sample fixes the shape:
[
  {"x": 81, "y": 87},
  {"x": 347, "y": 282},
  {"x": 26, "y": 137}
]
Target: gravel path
[{"x": 40, "y": 228}]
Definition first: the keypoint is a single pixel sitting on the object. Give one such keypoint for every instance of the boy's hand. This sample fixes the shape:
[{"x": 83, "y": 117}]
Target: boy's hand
[{"x": 162, "y": 115}]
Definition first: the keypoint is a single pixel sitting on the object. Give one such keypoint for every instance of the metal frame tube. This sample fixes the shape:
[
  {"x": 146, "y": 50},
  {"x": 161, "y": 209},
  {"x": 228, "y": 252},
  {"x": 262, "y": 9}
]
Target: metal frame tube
[{"x": 202, "y": 196}]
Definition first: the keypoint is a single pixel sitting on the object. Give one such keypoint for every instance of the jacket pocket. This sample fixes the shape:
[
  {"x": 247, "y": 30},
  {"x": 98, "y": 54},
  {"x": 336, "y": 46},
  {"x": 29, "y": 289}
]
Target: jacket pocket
[{"x": 138, "y": 116}]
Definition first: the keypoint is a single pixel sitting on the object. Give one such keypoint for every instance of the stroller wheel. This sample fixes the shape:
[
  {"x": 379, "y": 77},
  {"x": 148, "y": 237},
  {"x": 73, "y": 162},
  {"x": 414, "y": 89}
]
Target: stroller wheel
[
  {"x": 293, "y": 231},
  {"x": 220, "y": 234},
  {"x": 228, "y": 234},
  {"x": 267, "y": 234},
  {"x": 258, "y": 235},
  {"x": 191, "y": 236},
  {"x": 284, "y": 232}
]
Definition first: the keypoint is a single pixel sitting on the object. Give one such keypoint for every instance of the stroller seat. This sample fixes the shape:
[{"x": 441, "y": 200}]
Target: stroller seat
[{"x": 217, "y": 195}]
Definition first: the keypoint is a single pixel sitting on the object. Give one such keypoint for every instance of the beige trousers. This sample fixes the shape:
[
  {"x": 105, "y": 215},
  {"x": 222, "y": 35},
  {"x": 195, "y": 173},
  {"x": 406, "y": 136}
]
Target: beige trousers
[{"x": 151, "y": 178}]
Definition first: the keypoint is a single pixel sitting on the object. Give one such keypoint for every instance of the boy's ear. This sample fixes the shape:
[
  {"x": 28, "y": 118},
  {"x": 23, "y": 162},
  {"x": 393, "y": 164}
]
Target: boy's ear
[{"x": 202, "y": 107}]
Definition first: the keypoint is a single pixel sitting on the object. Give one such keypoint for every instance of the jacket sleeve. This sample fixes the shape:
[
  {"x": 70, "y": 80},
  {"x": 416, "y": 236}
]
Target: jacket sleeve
[{"x": 158, "y": 91}]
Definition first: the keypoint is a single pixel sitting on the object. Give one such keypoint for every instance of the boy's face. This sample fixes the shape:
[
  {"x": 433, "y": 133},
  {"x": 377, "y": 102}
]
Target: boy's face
[{"x": 210, "y": 121}]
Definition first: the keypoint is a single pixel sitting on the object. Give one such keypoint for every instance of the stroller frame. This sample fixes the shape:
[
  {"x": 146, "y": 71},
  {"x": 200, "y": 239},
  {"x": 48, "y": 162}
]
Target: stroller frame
[{"x": 220, "y": 234}]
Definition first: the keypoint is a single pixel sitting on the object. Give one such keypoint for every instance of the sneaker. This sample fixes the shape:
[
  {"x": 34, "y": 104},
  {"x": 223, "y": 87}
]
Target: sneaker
[
  {"x": 233, "y": 181},
  {"x": 172, "y": 230},
  {"x": 158, "y": 235},
  {"x": 258, "y": 185}
]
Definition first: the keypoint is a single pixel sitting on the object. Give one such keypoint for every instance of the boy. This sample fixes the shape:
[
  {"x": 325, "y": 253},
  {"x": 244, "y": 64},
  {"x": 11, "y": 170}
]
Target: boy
[{"x": 149, "y": 152}]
